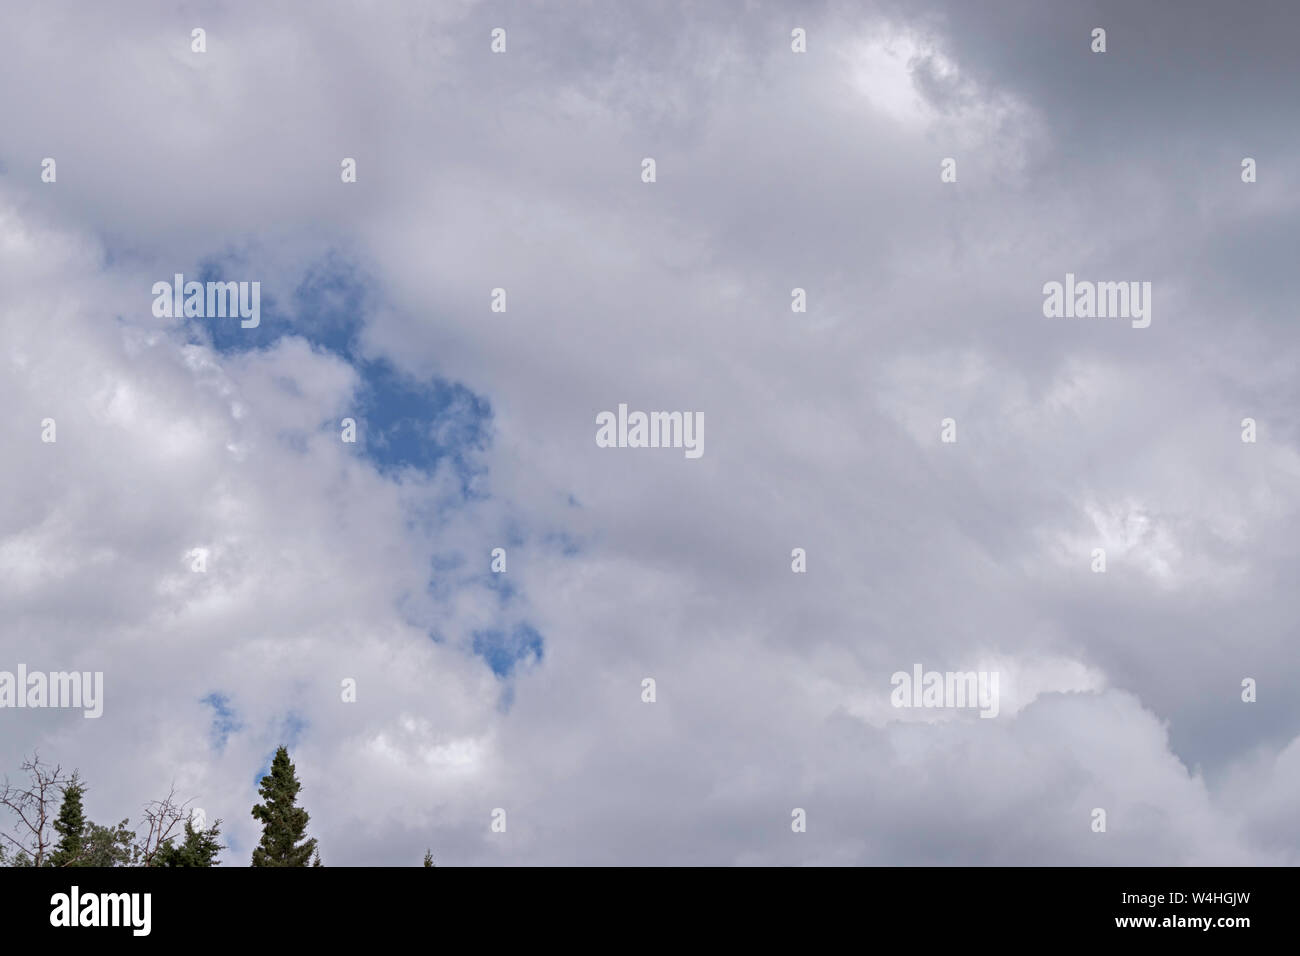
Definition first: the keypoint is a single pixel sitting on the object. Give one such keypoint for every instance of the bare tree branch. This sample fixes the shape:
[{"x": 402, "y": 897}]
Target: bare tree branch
[
  {"x": 162, "y": 817},
  {"x": 35, "y": 805}
]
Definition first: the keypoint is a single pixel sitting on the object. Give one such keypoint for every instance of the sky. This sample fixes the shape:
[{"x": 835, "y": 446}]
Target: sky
[{"x": 329, "y": 561}]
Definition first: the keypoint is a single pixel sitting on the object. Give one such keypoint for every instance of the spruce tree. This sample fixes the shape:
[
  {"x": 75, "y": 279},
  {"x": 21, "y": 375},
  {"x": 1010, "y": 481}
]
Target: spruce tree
[
  {"x": 283, "y": 823},
  {"x": 200, "y": 848},
  {"x": 70, "y": 826}
]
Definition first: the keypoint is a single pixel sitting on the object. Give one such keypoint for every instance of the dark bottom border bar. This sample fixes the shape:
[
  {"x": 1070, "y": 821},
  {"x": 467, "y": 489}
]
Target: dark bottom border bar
[{"x": 332, "y": 904}]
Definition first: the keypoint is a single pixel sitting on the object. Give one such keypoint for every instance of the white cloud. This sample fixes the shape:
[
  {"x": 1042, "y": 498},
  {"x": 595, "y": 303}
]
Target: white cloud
[{"x": 521, "y": 171}]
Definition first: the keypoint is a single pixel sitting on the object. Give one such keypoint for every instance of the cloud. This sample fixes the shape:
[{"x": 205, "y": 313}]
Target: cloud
[{"x": 327, "y": 560}]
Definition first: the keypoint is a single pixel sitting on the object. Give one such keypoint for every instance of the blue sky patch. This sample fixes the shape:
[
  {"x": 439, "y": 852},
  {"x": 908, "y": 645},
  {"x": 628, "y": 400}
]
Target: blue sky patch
[
  {"x": 403, "y": 422},
  {"x": 224, "y": 719},
  {"x": 503, "y": 651}
]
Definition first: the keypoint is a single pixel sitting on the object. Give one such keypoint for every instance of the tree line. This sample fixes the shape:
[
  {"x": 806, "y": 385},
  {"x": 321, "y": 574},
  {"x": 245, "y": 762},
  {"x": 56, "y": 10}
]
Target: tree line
[{"x": 50, "y": 827}]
